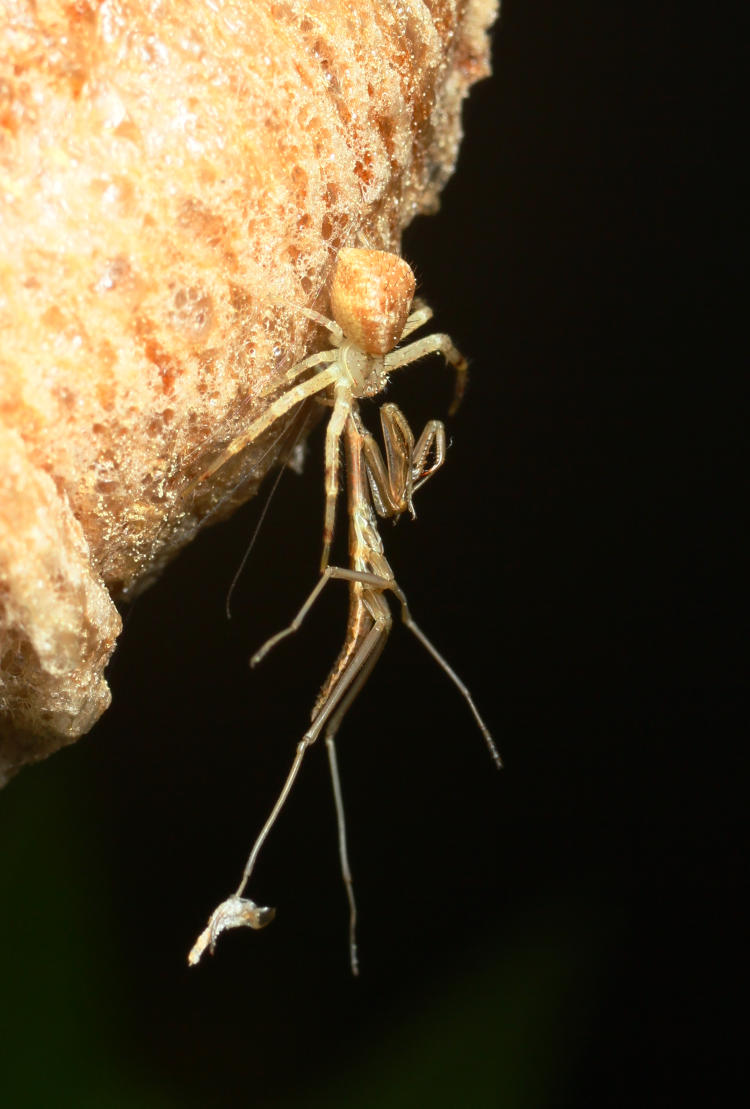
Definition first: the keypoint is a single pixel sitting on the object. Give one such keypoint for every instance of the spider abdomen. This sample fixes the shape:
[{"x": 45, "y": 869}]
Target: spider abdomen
[{"x": 371, "y": 295}]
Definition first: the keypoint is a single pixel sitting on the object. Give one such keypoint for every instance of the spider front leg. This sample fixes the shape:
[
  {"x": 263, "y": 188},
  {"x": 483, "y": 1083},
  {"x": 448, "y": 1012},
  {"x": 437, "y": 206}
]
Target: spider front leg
[
  {"x": 283, "y": 404},
  {"x": 299, "y": 368},
  {"x": 407, "y": 466},
  {"x": 342, "y": 408},
  {"x": 431, "y": 344},
  {"x": 419, "y": 315}
]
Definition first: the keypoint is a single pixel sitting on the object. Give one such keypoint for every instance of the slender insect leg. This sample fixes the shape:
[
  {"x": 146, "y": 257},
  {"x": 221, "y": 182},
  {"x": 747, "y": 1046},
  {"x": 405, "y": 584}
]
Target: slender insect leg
[
  {"x": 382, "y": 583},
  {"x": 370, "y": 643},
  {"x": 331, "y": 731},
  {"x": 337, "y": 572},
  {"x": 360, "y": 680},
  {"x": 346, "y": 872},
  {"x": 438, "y": 342},
  {"x": 328, "y": 573},
  {"x": 302, "y": 746},
  {"x": 413, "y": 627},
  {"x": 296, "y": 622}
]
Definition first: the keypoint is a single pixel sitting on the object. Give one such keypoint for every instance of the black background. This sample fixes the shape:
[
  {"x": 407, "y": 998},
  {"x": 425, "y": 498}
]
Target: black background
[{"x": 547, "y": 936}]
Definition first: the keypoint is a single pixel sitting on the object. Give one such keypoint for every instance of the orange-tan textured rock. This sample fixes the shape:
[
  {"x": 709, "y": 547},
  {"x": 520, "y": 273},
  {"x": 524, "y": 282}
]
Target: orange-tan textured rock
[{"x": 174, "y": 178}]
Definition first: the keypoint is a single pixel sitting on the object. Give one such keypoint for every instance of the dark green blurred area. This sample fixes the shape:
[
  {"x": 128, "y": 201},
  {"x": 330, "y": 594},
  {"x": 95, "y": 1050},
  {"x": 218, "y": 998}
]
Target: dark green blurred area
[
  {"x": 63, "y": 1036},
  {"x": 511, "y": 1019}
]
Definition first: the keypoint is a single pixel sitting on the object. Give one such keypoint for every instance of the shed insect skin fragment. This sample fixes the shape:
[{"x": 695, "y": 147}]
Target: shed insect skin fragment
[{"x": 371, "y": 298}]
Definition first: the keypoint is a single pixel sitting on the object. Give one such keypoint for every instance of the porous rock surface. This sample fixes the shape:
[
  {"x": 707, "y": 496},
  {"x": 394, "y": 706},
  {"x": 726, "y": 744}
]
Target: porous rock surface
[{"x": 174, "y": 178}]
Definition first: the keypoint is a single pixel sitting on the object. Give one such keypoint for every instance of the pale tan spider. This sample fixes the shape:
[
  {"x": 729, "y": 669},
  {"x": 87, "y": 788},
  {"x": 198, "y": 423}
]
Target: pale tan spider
[
  {"x": 374, "y": 485},
  {"x": 371, "y": 299}
]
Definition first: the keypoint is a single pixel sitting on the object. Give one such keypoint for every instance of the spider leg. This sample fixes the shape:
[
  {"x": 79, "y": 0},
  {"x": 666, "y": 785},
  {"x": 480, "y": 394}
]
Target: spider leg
[
  {"x": 311, "y": 314},
  {"x": 420, "y": 315},
  {"x": 438, "y": 342},
  {"x": 306, "y": 363},
  {"x": 274, "y": 412},
  {"x": 341, "y": 411}
]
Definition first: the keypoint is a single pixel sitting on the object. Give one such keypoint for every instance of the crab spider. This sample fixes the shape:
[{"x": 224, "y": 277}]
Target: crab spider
[{"x": 371, "y": 298}]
